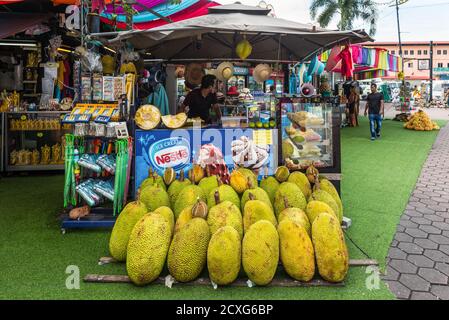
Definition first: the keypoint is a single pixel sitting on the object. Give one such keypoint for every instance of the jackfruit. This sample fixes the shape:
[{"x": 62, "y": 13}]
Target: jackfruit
[
  {"x": 196, "y": 174},
  {"x": 282, "y": 173},
  {"x": 226, "y": 193},
  {"x": 123, "y": 226},
  {"x": 239, "y": 180},
  {"x": 184, "y": 217},
  {"x": 330, "y": 248},
  {"x": 300, "y": 179},
  {"x": 188, "y": 251},
  {"x": 296, "y": 215},
  {"x": 296, "y": 250},
  {"x": 323, "y": 196},
  {"x": 224, "y": 256},
  {"x": 176, "y": 187},
  {"x": 287, "y": 149},
  {"x": 314, "y": 208},
  {"x": 260, "y": 252},
  {"x": 208, "y": 184},
  {"x": 167, "y": 213},
  {"x": 290, "y": 193},
  {"x": 154, "y": 197},
  {"x": 200, "y": 209},
  {"x": 169, "y": 176},
  {"x": 258, "y": 194},
  {"x": 327, "y": 186},
  {"x": 225, "y": 214},
  {"x": 270, "y": 185},
  {"x": 147, "y": 249},
  {"x": 152, "y": 179},
  {"x": 256, "y": 210},
  {"x": 187, "y": 197},
  {"x": 312, "y": 173}
]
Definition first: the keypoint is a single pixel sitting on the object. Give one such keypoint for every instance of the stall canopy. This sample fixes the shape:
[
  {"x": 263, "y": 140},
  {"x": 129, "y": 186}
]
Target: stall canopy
[
  {"x": 215, "y": 36},
  {"x": 13, "y": 23}
]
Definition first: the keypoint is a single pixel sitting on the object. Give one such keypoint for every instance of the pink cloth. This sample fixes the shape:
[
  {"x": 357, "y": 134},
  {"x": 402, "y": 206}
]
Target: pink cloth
[
  {"x": 118, "y": 9},
  {"x": 333, "y": 59},
  {"x": 347, "y": 66},
  {"x": 356, "y": 54}
]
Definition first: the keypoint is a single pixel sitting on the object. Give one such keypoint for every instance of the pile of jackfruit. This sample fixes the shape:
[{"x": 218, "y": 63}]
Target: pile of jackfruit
[
  {"x": 198, "y": 222},
  {"x": 420, "y": 121}
]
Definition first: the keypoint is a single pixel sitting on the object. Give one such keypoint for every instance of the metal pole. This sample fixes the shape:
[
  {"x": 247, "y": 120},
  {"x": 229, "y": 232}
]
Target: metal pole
[
  {"x": 431, "y": 71},
  {"x": 400, "y": 39}
]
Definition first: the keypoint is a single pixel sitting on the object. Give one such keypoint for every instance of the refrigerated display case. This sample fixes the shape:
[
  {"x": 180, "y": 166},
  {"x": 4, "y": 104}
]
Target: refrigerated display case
[
  {"x": 33, "y": 140},
  {"x": 311, "y": 135}
]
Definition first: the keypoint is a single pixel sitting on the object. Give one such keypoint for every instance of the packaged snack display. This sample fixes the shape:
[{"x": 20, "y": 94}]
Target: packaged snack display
[{"x": 89, "y": 161}]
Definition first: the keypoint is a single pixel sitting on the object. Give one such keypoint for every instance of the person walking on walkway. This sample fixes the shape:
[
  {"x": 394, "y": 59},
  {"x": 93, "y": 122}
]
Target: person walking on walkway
[
  {"x": 353, "y": 106},
  {"x": 375, "y": 109}
]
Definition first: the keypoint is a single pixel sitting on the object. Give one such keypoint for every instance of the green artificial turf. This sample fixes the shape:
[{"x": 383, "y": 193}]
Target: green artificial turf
[{"x": 378, "y": 178}]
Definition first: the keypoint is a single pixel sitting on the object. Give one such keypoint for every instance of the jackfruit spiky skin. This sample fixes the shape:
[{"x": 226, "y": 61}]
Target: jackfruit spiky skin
[
  {"x": 239, "y": 180},
  {"x": 270, "y": 185},
  {"x": 314, "y": 208},
  {"x": 224, "y": 256},
  {"x": 301, "y": 180},
  {"x": 323, "y": 196},
  {"x": 188, "y": 251},
  {"x": 296, "y": 250},
  {"x": 225, "y": 214},
  {"x": 188, "y": 197},
  {"x": 226, "y": 193},
  {"x": 298, "y": 216},
  {"x": 147, "y": 249},
  {"x": 330, "y": 248},
  {"x": 127, "y": 219},
  {"x": 168, "y": 214},
  {"x": 150, "y": 181},
  {"x": 260, "y": 252},
  {"x": 208, "y": 184},
  {"x": 290, "y": 192},
  {"x": 256, "y": 210},
  {"x": 258, "y": 193},
  {"x": 327, "y": 186},
  {"x": 154, "y": 197},
  {"x": 184, "y": 217},
  {"x": 175, "y": 189}
]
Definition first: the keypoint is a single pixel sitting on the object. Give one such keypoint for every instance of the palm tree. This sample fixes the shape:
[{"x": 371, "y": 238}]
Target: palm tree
[{"x": 347, "y": 10}]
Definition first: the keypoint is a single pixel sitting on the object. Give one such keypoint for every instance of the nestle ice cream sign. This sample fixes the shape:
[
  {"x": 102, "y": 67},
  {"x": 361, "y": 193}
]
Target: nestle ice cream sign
[{"x": 170, "y": 153}]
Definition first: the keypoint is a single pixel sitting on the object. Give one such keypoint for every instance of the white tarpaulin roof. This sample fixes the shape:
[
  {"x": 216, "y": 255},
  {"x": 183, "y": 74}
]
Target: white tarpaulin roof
[{"x": 214, "y": 36}]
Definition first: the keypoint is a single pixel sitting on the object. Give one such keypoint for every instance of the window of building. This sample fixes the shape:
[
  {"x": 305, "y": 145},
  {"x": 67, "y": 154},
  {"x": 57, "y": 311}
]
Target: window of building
[
  {"x": 440, "y": 65},
  {"x": 393, "y": 52},
  {"x": 445, "y": 52},
  {"x": 412, "y": 52},
  {"x": 419, "y": 52},
  {"x": 410, "y": 65},
  {"x": 406, "y": 52},
  {"x": 426, "y": 52},
  {"x": 439, "y": 52}
]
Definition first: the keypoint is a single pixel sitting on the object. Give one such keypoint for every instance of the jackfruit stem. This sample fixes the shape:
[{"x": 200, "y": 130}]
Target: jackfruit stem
[
  {"x": 317, "y": 181},
  {"x": 251, "y": 196},
  {"x": 219, "y": 181},
  {"x": 181, "y": 175},
  {"x": 150, "y": 172},
  {"x": 249, "y": 183},
  {"x": 217, "y": 197},
  {"x": 286, "y": 205},
  {"x": 207, "y": 171}
]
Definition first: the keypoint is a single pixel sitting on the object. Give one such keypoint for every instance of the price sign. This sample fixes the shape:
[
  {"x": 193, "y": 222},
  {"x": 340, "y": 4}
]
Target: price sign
[{"x": 263, "y": 137}]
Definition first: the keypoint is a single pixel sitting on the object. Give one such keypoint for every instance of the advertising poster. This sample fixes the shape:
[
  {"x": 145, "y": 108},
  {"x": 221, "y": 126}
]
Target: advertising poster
[{"x": 218, "y": 149}]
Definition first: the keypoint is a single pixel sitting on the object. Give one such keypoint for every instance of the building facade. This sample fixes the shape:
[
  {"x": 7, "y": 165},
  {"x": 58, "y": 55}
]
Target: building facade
[{"x": 417, "y": 58}]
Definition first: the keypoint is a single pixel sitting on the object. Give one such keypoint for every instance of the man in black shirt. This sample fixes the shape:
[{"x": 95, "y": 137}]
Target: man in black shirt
[
  {"x": 199, "y": 101},
  {"x": 376, "y": 110}
]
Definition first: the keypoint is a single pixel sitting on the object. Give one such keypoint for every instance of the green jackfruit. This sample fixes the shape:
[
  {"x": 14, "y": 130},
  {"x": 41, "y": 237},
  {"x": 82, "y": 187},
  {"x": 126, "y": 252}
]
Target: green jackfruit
[
  {"x": 314, "y": 208},
  {"x": 296, "y": 215},
  {"x": 260, "y": 252},
  {"x": 123, "y": 226},
  {"x": 147, "y": 249},
  {"x": 323, "y": 196},
  {"x": 225, "y": 214},
  {"x": 184, "y": 217},
  {"x": 270, "y": 185},
  {"x": 188, "y": 251},
  {"x": 151, "y": 180},
  {"x": 224, "y": 256},
  {"x": 208, "y": 184},
  {"x": 226, "y": 193},
  {"x": 287, "y": 149},
  {"x": 154, "y": 197},
  {"x": 289, "y": 193},
  {"x": 167, "y": 213},
  {"x": 176, "y": 187},
  {"x": 301, "y": 180},
  {"x": 187, "y": 197},
  {"x": 296, "y": 250},
  {"x": 256, "y": 210},
  {"x": 330, "y": 248},
  {"x": 258, "y": 193},
  {"x": 327, "y": 186}
]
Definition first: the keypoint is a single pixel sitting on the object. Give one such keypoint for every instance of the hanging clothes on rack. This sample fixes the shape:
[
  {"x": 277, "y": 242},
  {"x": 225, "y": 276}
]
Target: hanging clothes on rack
[
  {"x": 159, "y": 99},
  {"x": 347, "y": 66}
]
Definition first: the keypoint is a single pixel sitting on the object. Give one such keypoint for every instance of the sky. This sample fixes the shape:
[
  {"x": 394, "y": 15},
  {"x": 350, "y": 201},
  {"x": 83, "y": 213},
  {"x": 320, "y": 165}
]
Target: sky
[{"x": 421, "y": 20}]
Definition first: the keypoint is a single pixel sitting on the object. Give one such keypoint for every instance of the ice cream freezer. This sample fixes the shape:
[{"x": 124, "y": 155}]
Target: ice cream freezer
[{"x": 218, "y": 149}]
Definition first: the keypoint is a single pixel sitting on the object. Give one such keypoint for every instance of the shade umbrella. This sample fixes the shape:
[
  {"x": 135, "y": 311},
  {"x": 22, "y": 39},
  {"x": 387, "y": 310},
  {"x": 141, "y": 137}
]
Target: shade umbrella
[{"x": 215, "y": 36}]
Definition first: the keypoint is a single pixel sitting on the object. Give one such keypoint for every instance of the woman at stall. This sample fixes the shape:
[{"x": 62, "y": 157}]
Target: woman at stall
[{"x": 353, "y": 106}]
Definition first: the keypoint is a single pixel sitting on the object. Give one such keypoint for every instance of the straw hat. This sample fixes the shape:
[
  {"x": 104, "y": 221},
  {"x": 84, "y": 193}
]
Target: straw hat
[
  {"x": 262, "y": 73},
  {"x": 225, "y": 71},
  {"x": 193, "y": 74}
]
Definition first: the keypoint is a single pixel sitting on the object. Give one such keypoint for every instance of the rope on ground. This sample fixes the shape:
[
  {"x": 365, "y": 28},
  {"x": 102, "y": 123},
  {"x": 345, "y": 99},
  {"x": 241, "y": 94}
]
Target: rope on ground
[{"x": 356, "y": 245}]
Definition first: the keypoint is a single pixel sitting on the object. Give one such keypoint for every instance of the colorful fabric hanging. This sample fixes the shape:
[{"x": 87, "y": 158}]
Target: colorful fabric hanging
[{"x": 347, "y": 66}]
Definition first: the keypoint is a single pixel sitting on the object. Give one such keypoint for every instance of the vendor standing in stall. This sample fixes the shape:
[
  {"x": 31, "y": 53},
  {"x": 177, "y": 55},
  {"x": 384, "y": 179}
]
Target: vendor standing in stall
[{"x": 199, "y": 101}]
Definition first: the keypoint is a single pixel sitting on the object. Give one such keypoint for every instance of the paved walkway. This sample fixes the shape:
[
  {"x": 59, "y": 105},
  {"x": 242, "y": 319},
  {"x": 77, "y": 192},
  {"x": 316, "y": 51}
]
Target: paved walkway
[{"x": 418, "y": 261}]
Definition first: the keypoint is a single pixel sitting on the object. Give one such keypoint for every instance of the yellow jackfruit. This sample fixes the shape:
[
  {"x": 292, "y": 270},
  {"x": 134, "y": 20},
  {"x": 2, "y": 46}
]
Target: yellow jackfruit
[
  {"x": 296, "y": 250},
  {"x": 290, "y": 194},
  {"x": 260, "y": 252},
  {"x": 225, "y": 214},
  {"x": 330, "y": 248},
  {"x": 147, "y": 249},
  {"x": 188, "y": 251},
  {"x": 270, "y": 185},
  {"x": 224, "y": 256},
  {"x": 314, "y": 208},
  {"x": 301, "y": 180},
  {"x": 256, "y": 210},
  {"x": 187, "y": 197},
  {"x": 154, "y": 197},
  {"x": 327, "y": 186},
  {"x": 296, "y": 215},
  {"x": 167, "y": 213},
  {"x": 323, "y": 196},
  {"x": 225, "y": 193},
  {"x": 242, "y": 179},
  {"x": 184, "y": 217},
  {"x": 123, "y": 226},
  {"x": 208, "y": 184},
  {"x": 258, "y": 193},
  {"x": 176, "y": 187}
]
